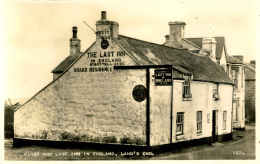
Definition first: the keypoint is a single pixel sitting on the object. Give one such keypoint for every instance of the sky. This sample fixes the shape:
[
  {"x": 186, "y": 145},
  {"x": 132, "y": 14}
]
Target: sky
[{"x": 36, "y": 33}]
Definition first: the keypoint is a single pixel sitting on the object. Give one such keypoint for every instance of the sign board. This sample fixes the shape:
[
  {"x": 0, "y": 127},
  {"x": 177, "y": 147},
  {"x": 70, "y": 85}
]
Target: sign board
[
  {"x": 163, "y": 77},
  {"x": 139, "y": 93}
]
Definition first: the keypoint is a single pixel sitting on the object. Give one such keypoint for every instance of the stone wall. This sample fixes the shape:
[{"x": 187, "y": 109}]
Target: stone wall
[
  {"x": 88, "y": 106},
  {"x": 80, "y": 107},
  {"x": 250, "y": 100}
]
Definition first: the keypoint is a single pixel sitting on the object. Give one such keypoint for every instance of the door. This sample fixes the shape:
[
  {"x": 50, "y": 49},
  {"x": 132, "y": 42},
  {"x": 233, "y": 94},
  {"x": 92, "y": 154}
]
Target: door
[{"x": 214, "y": 126}]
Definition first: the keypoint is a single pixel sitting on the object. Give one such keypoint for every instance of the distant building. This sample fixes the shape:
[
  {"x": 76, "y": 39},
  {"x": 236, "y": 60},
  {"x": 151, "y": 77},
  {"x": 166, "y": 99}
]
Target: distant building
[
  {"x": 215, "y": 48},
  {"x": 125, "y": 91},
  {"x": 250, "y": 88},
  {"x": 236, "y": 71}
]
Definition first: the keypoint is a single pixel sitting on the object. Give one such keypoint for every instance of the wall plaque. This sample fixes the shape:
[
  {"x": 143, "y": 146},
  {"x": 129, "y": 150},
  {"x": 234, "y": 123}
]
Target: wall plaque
[
  {"x": 163, "y": 77},
  {"x": 139, "y": 93}
]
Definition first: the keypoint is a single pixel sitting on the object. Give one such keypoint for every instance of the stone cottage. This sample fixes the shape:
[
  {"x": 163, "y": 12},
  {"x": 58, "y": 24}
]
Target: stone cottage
[{"x": 125, "y": 91}]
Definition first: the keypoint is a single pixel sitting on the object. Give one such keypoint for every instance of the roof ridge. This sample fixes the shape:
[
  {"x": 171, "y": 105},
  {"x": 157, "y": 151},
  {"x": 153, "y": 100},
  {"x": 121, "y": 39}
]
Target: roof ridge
[
  {"x": 191, "y": 43},
  {"x": 206, "y": 37},
  {"x": 155, "y": 43},
  {"x": 249, "y": 66}
]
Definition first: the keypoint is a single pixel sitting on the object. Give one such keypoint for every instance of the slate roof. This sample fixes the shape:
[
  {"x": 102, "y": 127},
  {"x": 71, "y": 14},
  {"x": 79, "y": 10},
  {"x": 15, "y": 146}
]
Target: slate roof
[
  {"x": 146, "y": 53},
  {"x": 232, "y": 60},
  {"x": 65, "y": 63},
  {"x": 219, "y": 45}
]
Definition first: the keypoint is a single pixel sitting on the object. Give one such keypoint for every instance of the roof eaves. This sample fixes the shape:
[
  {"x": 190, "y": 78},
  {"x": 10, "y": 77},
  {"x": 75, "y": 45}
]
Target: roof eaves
[{"x": 182, "y": 70}]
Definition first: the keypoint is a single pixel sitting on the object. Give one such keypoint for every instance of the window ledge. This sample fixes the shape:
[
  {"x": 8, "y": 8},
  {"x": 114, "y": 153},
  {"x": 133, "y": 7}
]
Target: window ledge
[
  {"x": 199, "y": 134},
  {"x": 186, "y": 99},
  {"x": 180, "y": 137}
]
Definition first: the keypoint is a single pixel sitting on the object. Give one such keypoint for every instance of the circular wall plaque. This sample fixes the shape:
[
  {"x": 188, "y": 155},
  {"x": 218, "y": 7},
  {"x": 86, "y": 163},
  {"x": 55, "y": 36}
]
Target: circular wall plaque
[
  {"x": 104, "y": 44},
  {"x": 139, "y": 93}
]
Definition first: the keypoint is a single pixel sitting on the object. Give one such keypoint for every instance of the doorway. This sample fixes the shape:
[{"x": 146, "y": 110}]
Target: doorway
[{"x": 214, "y": 126}]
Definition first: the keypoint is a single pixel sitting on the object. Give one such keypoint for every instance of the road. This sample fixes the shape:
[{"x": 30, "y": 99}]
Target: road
[{"x": 242, "y": 147}]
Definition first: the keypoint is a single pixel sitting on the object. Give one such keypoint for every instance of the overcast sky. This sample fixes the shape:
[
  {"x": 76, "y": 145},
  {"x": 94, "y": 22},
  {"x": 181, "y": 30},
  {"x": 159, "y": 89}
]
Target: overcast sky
[{"x": 36, "y": 35}]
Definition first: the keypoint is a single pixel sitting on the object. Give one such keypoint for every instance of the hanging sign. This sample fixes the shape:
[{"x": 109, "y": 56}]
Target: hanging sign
[{"x": 163, "y": 77}]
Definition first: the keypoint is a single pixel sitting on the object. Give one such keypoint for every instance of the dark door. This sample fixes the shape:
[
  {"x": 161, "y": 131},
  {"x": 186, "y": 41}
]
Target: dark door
[{"x": 214, "y": 126}]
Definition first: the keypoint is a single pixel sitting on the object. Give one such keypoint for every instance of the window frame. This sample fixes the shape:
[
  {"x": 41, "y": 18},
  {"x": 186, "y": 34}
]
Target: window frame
[
  {"x": 216, "y": 91},
  {"x": 242, "y": 79},
  {"x": 186, "y": 87},
  {"x": 235, "y": 111},
  {"x": 180, "y": 123},
  {"x": 234, "y": 76},
  {"x": 224, "y": 125},
  {"x": 199, "y": 121}
]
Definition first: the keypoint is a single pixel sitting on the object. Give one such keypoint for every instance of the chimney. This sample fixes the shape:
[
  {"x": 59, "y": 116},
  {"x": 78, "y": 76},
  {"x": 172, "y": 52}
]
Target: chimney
[
  {"x": 74, "y": 42},
  {"x": 105, "y": 28},
  {"x": 103, "y": 15},
  {"x": 167, "y": 37},
  {"x": 177, "y": 30},
  {"x": 209, "y": 47},
  {"x": 74, "y": 31},
  {"x": 252, "y": 62},
  {"x": 239, "y": 57}
]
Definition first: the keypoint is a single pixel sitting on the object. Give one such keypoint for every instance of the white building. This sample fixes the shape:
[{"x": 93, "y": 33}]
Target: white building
[
  {"x": 125, "y": 91},
  {"x": 215, "y": 48}
]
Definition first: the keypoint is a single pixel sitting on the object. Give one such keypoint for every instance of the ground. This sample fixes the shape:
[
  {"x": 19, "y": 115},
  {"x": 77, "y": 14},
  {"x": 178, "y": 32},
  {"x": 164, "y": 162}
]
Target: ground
[{"x": 241, "y": 147}]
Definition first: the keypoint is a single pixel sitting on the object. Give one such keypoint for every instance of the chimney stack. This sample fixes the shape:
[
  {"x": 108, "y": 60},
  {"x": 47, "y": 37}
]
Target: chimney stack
[
  {"x": 74, "y": 42},
  {"x": 252, "y": 62},
  {"x": 239, "y": 57},
  {"x": 209, "y": 47},
  {"x": 105, "y": 28},
  {"x": 177, "y": 30}
]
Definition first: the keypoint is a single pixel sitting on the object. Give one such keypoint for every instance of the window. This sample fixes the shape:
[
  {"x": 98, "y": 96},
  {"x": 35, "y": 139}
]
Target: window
[
  {"x": 242, "y": 80},
  {"x": 179, "y": 124},
  {"x": 215, "y": 91},
  {"x": 234, "y": 76},
  {"x": 224, "y": 120},
  {"x": 186, "y": 87},
  {"x": 199, "y": 121},
  {"x": 235, "y": 111}
]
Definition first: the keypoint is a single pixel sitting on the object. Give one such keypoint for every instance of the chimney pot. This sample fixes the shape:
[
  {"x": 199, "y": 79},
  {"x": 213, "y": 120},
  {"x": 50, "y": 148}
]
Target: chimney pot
[
  {"x": 74, "y": 31},
  {"x": 167, "y": 37},
  {"x": 103, "y": 15}
]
